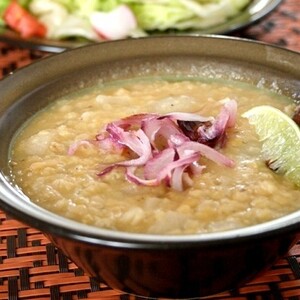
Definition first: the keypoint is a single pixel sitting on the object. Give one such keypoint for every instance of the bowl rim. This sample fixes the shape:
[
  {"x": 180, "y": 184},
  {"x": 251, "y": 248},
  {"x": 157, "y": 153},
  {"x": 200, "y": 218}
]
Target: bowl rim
[{"x": 51, "y": 223}]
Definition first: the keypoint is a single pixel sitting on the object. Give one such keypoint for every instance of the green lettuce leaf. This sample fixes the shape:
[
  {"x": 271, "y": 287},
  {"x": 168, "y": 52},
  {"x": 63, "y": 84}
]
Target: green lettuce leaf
[
  {"x": 3, "y": 6},
  {"x": 183, "y": 14}
]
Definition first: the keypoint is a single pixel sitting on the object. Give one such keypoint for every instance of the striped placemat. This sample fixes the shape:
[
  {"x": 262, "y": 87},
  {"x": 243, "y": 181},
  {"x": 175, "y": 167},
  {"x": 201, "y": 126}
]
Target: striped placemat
[{"x": 31, "y": 268}]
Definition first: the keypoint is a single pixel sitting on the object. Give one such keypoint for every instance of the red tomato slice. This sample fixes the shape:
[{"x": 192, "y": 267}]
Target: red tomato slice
[{"x": 20, "y": 20}]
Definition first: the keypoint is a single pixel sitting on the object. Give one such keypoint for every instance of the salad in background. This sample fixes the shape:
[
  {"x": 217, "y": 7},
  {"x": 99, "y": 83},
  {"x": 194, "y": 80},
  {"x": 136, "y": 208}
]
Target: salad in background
[{"x": 96, "y": 20}]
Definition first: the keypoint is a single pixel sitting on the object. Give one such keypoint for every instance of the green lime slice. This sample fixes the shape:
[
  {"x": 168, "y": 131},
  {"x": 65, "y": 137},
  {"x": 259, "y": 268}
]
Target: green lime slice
[{"x": 280, "y": 137}]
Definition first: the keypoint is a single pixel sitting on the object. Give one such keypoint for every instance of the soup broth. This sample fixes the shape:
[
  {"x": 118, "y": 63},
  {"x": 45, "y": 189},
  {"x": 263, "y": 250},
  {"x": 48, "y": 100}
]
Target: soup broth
[{"x": 220, "y": 198}]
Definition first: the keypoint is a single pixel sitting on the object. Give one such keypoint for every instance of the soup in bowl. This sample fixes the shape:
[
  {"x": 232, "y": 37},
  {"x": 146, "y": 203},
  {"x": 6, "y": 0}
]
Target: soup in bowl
[{"x": 136, "y": 159}]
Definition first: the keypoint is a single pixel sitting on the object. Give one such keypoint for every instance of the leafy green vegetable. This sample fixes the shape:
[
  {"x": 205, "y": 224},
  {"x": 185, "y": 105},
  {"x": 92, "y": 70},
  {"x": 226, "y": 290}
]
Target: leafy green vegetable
[
  {"x": 24, "y": 3},
  {"x": 151, "y": 15},
  {"x": 155, "y": 16},
  {"x": 108, "y": 5},
  {"x": 70, "y": 5},
  {"x": 183, "y": 14},
  {"x": 3, "y": 6},
  {"x": 86, "y": 7}
]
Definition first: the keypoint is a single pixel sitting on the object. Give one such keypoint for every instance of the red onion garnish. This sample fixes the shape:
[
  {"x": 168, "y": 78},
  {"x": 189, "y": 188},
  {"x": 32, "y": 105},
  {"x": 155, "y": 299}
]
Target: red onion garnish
[
  {"x": 115, "y": 24},
  {"x": 166, "y": 148}
]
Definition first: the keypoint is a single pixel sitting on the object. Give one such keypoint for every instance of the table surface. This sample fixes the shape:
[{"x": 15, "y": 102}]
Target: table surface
[{"x": 32, "y": 268}]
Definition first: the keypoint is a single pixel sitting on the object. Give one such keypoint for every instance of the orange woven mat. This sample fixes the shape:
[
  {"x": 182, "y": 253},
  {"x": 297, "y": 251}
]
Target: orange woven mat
[
  {"x": 281, "y": 27},
  {"x": 32, "y": 268}
]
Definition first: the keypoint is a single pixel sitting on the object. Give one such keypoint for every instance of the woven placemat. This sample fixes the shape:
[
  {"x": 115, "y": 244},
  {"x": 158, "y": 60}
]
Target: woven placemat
[
  {"x": 281, "y": 27},
  {"x": 32, "y": 268}
]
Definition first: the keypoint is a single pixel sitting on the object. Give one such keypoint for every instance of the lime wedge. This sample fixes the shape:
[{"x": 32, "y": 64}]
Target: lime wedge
[{"x": 280, "y": 137}]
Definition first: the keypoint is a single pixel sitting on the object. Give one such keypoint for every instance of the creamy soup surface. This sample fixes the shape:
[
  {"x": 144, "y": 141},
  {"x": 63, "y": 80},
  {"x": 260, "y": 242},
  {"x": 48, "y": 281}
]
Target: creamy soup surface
[{"x": 219, "y": 199}]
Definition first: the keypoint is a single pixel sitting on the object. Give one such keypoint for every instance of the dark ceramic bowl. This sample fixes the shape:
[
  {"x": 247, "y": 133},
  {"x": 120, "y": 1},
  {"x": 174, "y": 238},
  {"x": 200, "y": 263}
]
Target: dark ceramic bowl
[{"x": 151, "y": 265}]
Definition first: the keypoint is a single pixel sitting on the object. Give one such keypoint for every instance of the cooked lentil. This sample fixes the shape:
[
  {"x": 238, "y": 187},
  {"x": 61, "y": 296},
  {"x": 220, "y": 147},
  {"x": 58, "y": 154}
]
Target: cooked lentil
[{"x": 220, "y": 199}]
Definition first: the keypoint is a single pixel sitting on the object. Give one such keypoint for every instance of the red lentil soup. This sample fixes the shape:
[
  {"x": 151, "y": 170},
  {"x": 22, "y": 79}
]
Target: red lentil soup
[{"x": 220, "y": 198}]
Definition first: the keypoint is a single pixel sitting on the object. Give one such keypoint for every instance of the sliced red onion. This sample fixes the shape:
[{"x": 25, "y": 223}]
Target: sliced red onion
[
  {"x": 176, "y": 140},
  {"x": 106, "y": 170},
  {"x": 107, "y": 143},
  {"x": 188, "y": 148},
  {"x": 137, "y": 141},
  {"x": 182, "y": 116},
  {"x": 137, "y": 180},
  {"x": 163, "y": 129},
  {"x": 212, "y": 133},
  {"x": 166, "y": 173},
  {"x": 231, "y": 107},
  {"x": 135, "y": 120},
  {"x": 164, "y": 152},
  {"x": 177, "y": 178},
  {"x": 196, "y": 169},
  {"x": 215, "y": 133},
  {"x": 116, "y": 24},
  {"x": 224, "y": 120},
  {"x": 171, "y": 172},
  {"x": 155, "y": 165}
]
